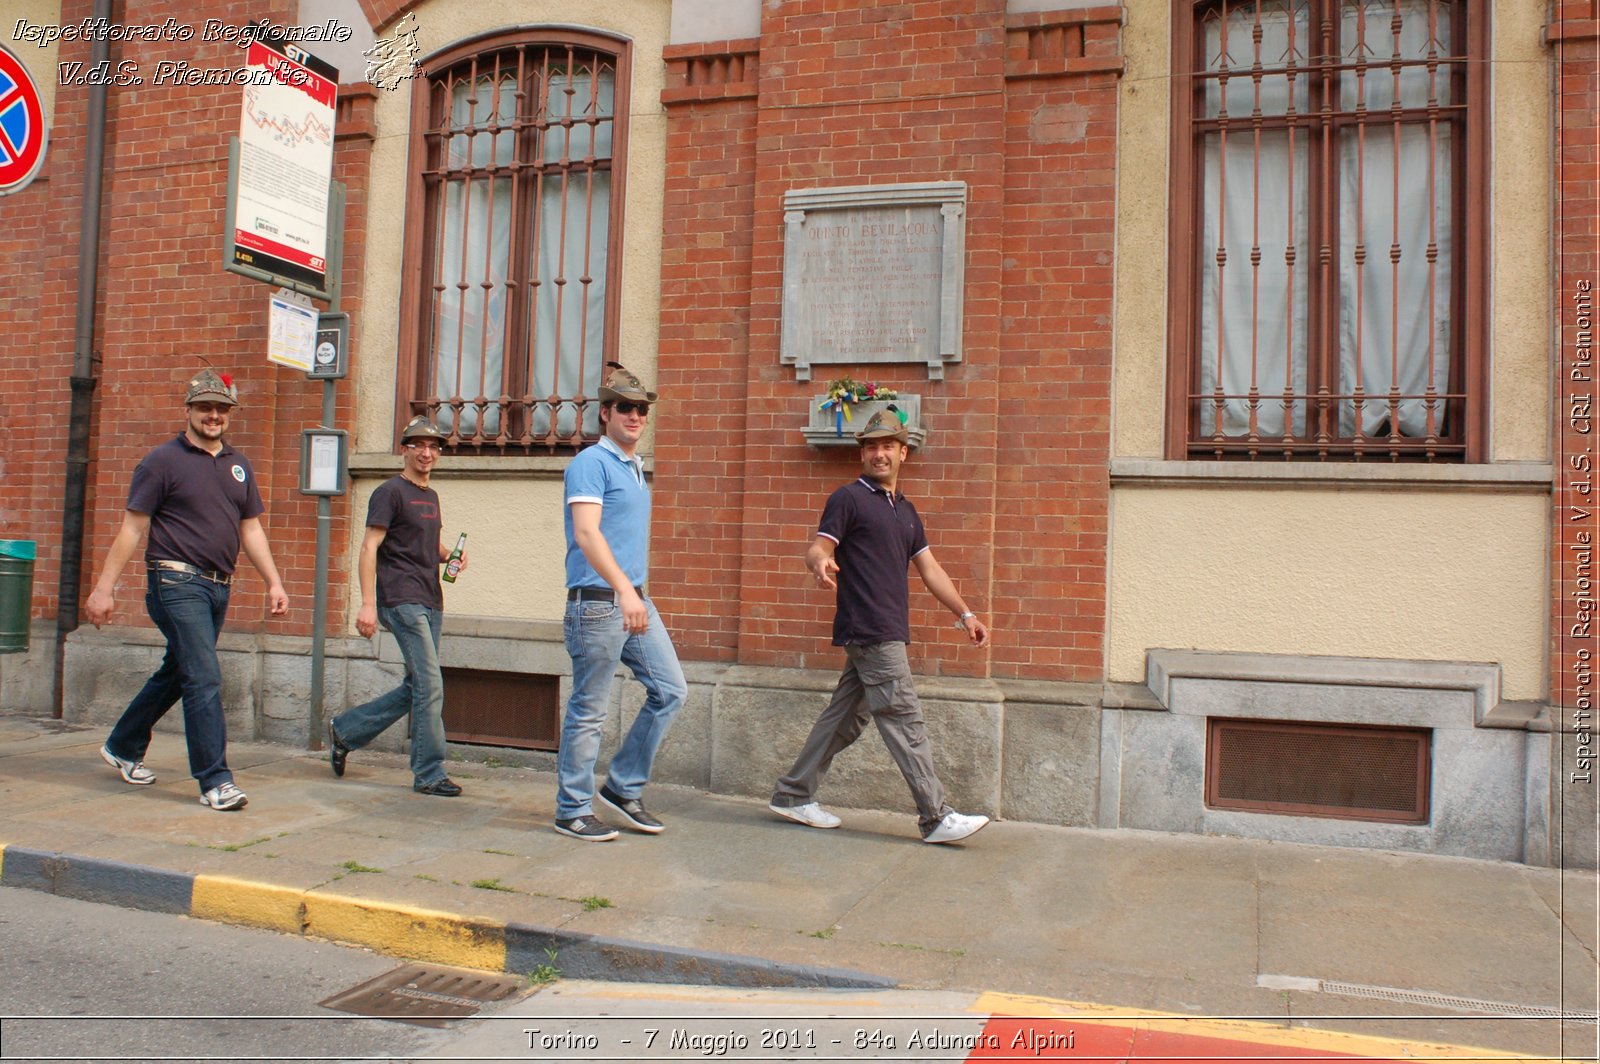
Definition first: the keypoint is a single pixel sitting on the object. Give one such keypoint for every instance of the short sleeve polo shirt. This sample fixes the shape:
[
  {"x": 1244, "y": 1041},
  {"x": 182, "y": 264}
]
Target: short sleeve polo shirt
[
  {"x": 602, "y": 474},
  {"x": 195, "y": 501},
  {"x": 878, "y": 534}
]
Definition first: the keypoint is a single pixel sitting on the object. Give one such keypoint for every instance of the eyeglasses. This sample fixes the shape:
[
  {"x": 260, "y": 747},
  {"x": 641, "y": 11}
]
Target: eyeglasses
[
  {"x": 643, "y": 409},
  {"x": 426, "y": 445}
]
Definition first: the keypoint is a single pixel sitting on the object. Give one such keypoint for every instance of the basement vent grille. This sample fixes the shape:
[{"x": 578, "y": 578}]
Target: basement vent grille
[
  {"x": 511, "y": 709},
  {"x": 1344, "y": 771}
]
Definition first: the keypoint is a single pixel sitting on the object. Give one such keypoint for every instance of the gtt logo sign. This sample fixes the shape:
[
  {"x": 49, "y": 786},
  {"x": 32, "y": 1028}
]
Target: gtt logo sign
[{"x": 22, "y": 132}]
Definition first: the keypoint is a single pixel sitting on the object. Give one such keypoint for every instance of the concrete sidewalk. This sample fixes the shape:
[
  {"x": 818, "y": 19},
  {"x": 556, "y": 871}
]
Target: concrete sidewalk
[{"x": 1431, "y": 949}]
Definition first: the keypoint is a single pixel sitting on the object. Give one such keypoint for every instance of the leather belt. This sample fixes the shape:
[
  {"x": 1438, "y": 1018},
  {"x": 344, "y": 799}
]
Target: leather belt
[
  {"x": 596, "y": 594},
  {"x": 184, "y": 567}
]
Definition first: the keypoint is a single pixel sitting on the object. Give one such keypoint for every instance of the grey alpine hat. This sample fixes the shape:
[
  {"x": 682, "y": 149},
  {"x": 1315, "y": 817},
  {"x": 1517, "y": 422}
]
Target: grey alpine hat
[
  {"x": 209, "y": 386},
  {"x": 884, "y": 424},
  {"x": 623, "y": 386},
  {"x": 419, "y": 427}
]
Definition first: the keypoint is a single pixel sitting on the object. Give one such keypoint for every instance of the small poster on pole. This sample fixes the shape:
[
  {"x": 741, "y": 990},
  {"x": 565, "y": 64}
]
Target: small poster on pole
[{"x": 291, "y": 330}]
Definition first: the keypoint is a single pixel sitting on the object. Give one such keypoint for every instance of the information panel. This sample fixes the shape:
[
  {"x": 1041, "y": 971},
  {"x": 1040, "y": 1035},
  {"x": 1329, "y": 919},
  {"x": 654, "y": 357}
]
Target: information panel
[{"x": 285, "y": 162}]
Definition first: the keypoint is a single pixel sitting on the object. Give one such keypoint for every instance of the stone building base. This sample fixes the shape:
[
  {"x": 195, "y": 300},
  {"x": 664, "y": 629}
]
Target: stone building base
[{"x": 1112, "y": 756}]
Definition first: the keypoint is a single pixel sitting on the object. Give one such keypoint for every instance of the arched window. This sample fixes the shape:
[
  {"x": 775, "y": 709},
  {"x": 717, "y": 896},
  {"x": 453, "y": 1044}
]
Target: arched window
[{"x": 510, "y": 299}]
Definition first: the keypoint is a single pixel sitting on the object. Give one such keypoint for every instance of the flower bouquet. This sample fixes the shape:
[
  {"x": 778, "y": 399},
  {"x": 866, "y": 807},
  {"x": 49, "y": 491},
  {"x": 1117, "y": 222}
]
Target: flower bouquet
[{"x": 845, "y": 392}]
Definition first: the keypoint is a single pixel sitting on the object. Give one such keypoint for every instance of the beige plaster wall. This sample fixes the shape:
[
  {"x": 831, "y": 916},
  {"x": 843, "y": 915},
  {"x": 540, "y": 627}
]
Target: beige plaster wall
[
  {"x": 1358, "y": 572},
  {"x": 514, "y": 524},
  {"x": 1450, "y": 575},
  {"x": 515, "y": 545},
  {"x": 40, "y": 62},
  {"x": 1519, "y": 231}
]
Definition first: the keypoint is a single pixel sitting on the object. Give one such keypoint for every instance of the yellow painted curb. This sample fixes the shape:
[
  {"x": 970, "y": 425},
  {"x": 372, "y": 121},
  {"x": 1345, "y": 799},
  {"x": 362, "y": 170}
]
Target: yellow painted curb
[
  {"x": 238, "y": 901},
  {"x": 2, "y": 859},
  {"x": 1309, "y": 1039},
  {"x": 421, "y": 934}
]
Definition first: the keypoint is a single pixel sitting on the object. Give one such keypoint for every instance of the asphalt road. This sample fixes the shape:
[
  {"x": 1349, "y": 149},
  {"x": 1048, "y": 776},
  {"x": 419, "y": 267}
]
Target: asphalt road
[{"x": 87, "y": 982}]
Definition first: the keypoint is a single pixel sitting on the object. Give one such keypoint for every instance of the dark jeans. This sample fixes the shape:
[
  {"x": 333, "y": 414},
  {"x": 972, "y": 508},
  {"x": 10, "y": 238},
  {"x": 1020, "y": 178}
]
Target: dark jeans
[{"x": 189, "y": 610}]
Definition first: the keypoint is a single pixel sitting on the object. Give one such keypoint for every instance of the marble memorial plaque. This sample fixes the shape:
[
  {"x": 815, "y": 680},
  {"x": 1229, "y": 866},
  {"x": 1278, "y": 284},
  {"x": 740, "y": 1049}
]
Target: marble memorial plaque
[{"x": 872, "y": 275}]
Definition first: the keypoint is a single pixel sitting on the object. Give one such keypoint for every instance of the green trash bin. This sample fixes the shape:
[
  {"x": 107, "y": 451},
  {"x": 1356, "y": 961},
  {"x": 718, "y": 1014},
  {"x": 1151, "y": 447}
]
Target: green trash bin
[{"x": 16, "y": 594}]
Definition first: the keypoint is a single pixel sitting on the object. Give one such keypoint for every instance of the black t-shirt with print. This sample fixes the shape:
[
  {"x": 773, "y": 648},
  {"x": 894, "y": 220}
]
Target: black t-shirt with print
[{"x": 408, "y": 557}]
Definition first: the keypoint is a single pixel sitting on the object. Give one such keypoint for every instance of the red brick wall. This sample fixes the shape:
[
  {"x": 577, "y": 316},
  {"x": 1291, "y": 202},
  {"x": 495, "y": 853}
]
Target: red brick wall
[
  {"x": 868, "y": 93},
  {"x": 164, "y": 300},
  {"x": 696, "y": 552},
  {"x": 1574, "y": 33}
]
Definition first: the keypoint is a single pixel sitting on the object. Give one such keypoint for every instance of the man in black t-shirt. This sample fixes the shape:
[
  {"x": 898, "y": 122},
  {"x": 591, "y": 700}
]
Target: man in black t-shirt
[
  {"x": 399, "y": 568},
  {"x": 197, "y": 498},
  {"x": 870, "y": 535}
]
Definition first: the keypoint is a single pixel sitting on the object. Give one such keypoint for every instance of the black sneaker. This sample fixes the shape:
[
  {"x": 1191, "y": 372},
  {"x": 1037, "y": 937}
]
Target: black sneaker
[
  {"x": 586, "y": 828},
  {"x": 632, "y": 810},
  {"x": 337, "y": 751},
  {"x": 444, "y": 788}
]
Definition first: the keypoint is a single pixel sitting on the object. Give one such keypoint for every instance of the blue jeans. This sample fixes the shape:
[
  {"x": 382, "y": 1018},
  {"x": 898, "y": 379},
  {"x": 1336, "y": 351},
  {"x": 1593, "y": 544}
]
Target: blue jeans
[
  {"x": 189, "y": 609},
  {"x": 598, "y": 644},
  {"x": 416, "y": 629}
]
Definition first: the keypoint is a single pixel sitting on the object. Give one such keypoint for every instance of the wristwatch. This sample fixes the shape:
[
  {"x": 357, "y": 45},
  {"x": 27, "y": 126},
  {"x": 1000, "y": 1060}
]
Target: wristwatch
[{"x": 961, "y": 621}]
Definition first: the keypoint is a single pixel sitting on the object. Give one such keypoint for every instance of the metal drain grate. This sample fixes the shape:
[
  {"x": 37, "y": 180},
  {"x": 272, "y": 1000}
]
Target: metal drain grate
[
  {"x": 426, "y": 995},
  {"x": 1420, "y": 997}
]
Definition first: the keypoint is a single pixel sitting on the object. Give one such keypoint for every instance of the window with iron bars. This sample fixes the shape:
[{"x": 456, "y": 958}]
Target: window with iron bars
[
  {"x": 510, "y": 306},
  {"x": 1328, "y": 230}
]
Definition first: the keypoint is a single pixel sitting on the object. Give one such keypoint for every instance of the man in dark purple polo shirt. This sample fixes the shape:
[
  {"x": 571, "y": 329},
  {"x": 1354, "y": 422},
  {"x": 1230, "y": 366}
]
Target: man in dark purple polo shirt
[
  {"x": 869, "y": 537},
  {"x": 197, "y": 499}
]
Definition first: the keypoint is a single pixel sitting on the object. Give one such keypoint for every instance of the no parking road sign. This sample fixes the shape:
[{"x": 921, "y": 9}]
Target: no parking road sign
[{"x": 22, "y": 132}]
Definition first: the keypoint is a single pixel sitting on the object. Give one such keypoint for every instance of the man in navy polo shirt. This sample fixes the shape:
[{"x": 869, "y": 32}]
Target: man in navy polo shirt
[
  {"x": 197, "y": 498},
  {"x": 609, "y": 621},
  {"x": 870, "y": 535}
]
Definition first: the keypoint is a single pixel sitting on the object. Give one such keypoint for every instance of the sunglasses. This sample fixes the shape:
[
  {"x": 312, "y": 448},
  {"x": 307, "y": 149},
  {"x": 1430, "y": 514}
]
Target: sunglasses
[{"x": 643, "y": 409}]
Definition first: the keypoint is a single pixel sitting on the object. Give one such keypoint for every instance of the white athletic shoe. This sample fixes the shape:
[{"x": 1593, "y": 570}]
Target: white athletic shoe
[
  {"x": 811, "y": 815},
  {"x": 224, "y": 797},
  {"x": 133, "y": 772},
  {"x": 955, "y": 827}
]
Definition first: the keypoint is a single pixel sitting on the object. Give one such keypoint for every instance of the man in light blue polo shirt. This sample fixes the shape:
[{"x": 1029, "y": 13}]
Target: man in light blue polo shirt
[{"x": 609, "y": 621}]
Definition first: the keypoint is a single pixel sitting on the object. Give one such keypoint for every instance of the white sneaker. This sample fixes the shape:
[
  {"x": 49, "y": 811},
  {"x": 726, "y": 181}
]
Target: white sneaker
[
  {"x": 224, "y": 797},
  {"x": 133, "y": 772},
  {"x": 811, "y": 815},
  {"x": 955, "y": 827}
]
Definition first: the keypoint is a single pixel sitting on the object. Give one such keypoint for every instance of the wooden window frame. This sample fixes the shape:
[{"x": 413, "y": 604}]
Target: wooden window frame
[
  {"x": 418, "y": 252},
  {"x": 1470, "y": 268}
]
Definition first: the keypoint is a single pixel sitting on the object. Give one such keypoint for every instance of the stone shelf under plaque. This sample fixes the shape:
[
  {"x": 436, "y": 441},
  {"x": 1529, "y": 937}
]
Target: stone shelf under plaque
[{"x": 819, "y": 430}]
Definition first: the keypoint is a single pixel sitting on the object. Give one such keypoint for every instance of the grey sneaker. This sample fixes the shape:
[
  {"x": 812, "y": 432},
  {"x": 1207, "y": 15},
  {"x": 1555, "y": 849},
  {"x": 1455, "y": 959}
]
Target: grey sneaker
[
  {"x": 632, "y": 810},
  {"x": 587, "y": 828},
  {"x": 133, "y": 772},
  {"x": 955, "y": 827},
  {"x": 811, "y": 815},
  {"x": 224, "y": 797}
]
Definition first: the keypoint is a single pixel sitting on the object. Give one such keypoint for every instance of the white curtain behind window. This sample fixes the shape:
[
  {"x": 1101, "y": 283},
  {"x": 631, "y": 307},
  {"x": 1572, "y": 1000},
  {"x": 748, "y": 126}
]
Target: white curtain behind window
[
  {"x": 1262, "y": 196},
  {"x": 474, "y": 253},
  {"x": 574, "y": 208}
]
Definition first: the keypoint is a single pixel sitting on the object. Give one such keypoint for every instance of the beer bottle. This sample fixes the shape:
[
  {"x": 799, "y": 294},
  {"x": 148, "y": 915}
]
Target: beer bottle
[{"x": 452, "y": 564}]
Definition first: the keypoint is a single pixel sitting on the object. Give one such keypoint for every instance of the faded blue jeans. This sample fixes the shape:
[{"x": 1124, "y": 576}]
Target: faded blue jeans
[
  {"x": 189, "y": 609},
  {"x": 421, "y": 694},
  {"x": 598, "y": 644}
]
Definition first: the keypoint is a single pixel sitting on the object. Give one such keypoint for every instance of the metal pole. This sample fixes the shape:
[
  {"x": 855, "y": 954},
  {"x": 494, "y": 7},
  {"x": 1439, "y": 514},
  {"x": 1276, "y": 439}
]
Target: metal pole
[
  {"x": 319, "y": 598},
  {"x": 319, "y": 595}
]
